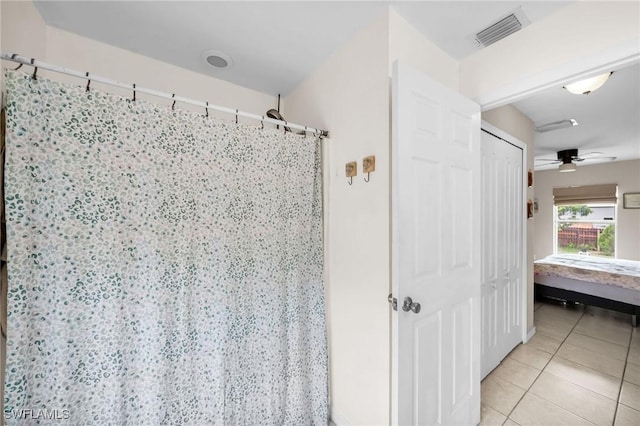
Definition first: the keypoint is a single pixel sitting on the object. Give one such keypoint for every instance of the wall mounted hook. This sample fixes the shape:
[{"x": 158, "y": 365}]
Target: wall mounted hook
[
  {"x": 368, "y": 166},
  {"x": 351, "y": 170}
]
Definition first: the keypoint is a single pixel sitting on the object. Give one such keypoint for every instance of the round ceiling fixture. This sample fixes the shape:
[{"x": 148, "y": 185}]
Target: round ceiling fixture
[
  {"x": 216, "y": 59},
  {"x": 584, "y": 87}
]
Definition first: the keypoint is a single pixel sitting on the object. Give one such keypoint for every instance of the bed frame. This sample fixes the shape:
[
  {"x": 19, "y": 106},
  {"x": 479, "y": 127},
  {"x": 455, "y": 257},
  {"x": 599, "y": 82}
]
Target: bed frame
[{"x": 617, "y": 299}]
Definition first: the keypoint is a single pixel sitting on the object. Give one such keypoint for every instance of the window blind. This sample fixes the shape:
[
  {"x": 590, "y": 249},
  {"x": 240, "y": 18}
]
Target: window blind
[{"x": 587, "y": 194}]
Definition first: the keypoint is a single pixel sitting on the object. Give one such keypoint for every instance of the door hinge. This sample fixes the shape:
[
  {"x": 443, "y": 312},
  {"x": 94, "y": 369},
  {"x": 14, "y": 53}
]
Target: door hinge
[{"x": 393, "y": 301}]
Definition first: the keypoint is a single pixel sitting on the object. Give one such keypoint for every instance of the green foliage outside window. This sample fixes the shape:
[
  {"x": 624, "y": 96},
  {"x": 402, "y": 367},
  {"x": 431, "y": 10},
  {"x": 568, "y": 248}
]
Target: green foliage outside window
[
  {"x": 606, "y": 241},
  {"x": 574, "y": 210}
]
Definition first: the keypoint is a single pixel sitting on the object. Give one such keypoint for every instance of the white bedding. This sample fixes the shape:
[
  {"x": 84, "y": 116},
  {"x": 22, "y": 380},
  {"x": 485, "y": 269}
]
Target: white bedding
[{"x": 613, "y": 272}]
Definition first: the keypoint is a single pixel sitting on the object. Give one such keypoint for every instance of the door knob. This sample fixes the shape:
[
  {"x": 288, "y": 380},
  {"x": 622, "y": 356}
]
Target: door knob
[{"x": 410, "y": 305}]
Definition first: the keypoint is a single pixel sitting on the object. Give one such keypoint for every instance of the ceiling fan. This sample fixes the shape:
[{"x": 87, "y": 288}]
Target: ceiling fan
[{"x": 569, "y": 157}]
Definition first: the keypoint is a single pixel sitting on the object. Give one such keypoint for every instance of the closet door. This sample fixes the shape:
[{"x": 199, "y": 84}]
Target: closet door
[{"x": 502, "y": 250}]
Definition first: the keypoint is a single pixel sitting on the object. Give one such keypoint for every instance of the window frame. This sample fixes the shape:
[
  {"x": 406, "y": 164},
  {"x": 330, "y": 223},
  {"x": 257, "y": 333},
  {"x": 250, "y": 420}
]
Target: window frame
[{"x": 557, "y": 220}]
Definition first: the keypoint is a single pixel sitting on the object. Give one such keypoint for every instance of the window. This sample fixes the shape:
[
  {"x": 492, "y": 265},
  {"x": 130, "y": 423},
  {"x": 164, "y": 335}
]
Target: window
[
  {"x": 585, "y": 219},
  {"x": 585, "y": 229}
]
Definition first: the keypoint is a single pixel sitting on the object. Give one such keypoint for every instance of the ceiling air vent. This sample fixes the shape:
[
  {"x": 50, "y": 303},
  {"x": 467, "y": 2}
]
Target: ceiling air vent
[{"x": 503, "y": 28}]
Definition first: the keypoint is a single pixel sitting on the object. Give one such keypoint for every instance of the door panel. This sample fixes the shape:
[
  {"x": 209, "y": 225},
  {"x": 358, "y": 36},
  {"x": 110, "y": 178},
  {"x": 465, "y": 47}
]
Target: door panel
[
  {"x": 502, "y": 234},
  {"x": 427, "y": 219},
  {"x": 461, "y": 217},
  {"x": 428, "y": 335},
  {"x": 435, "y": 252}
]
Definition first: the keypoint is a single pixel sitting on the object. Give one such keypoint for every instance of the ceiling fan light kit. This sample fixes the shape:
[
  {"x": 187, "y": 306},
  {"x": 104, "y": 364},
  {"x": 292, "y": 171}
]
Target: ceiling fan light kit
[
  {"x": 567, "y": 167},
  {"x": 584, "y": 87}
]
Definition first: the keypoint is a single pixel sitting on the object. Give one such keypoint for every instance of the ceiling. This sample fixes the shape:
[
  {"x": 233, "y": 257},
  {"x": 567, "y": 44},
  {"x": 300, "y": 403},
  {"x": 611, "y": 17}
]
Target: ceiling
[
  {"x": 275, "y": 45},
  {"x": 608, "y": 119}
]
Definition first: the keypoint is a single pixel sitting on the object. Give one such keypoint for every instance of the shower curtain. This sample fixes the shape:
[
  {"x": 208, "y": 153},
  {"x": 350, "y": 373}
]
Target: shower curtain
[{"x": 164, "y": 267}]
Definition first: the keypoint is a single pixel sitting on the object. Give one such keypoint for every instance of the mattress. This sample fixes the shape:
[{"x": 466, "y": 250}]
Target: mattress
[{"x": 613, "y": 272}]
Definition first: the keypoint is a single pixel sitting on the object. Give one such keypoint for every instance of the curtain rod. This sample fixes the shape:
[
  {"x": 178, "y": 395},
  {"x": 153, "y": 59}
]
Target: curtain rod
[{"x": 134, "y": 88}]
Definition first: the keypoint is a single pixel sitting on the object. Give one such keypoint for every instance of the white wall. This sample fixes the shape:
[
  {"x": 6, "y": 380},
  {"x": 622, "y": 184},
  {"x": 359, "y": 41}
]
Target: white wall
[
  {"x": 624, "y": 173},
  {"x": 349, "y": 96},
  {"x": 408, "y": 45},
  {"x": 518, "y": 125}
]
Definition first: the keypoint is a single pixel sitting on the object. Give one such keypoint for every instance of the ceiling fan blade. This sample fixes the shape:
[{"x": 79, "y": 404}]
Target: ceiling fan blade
[
  {"x": 547, "y": 161},
  {"x": 596, "y": 158},
  {"x": 591, "y": 154}
]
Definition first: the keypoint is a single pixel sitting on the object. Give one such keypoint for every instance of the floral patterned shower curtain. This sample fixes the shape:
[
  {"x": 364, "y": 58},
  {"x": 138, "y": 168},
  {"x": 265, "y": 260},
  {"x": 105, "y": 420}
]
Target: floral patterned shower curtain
[{"x": 164, "y": 267}]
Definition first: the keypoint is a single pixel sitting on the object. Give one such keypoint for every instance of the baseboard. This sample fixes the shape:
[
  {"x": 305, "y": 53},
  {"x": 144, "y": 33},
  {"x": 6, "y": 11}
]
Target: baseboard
[
  {"x": 530, "y": 334},
  {"x": 337, "y": 418}
]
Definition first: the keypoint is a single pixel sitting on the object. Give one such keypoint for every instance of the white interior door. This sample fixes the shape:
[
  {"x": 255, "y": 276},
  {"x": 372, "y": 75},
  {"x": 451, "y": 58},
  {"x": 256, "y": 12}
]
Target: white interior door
[
  {"x": 502, "y": 249},
  {"x": 435, "y": 253}
]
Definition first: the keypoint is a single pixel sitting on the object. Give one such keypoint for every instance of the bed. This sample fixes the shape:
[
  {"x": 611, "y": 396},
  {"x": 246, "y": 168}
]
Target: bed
[{"x": 606, "y": 283}]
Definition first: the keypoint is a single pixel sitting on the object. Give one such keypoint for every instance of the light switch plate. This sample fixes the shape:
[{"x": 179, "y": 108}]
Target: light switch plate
[{"x": 369, "y": 164}]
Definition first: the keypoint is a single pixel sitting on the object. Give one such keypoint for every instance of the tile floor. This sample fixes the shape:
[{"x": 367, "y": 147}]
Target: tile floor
[{"x": 582, "y": 367}]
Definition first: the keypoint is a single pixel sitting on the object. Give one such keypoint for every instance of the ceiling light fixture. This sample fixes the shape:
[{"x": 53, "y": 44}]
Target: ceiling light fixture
[
  {"x": 567, "y": 167},
  {"x": 218, "y": 60},
  {"x": 584, "y": 87},
  {"x": 556, "y": 125}
]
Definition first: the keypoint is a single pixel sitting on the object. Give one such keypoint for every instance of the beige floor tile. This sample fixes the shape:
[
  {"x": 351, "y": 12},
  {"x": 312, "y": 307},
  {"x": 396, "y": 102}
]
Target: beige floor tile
[
  {"x": 611, "y": 330},
  {"x": 521, "y": 375},
  {"x": 585, "y": 377},
  {"x": 599, "y": 346},
  {"x": 553, "y": 329},
  {"x": 627, "y": 416},
  {"x": 630, "y": 395},
  {"x": 545, "y": 343},
  {"x": 582, "y": 402},
  {"x": 608, "y": 315},
  {"x": 632, "y": 373},
  {"x": 588, "y": 358},
  {"x": 490, "y": 417},
  {"x": 634, "y": 355},
  {"x": 535, "y": 411},
  {"x": 569, "y": 315},
  {"x": 510, "y": 422},
  {"x": 499, "y": 394},
  {"x": 604, "y": 316},
  {"x": 531, "y": 356},
  {"x": 536, "y": 305},
  {"x": 635, "y": 337}
]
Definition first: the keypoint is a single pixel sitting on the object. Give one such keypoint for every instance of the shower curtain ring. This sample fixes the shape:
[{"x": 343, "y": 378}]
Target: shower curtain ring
[
  {"x": 88, "y": 81},
  {"x": 236, "y": 116},
  {"x": 35, "y": 69},
  {"x": 207, "y": 110},
  {"x": 262, "y": 123},
  {"x": 134, "y": 92},
  {"x": 19, "y": 65},
  {"x": 173, "y": 105}
]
